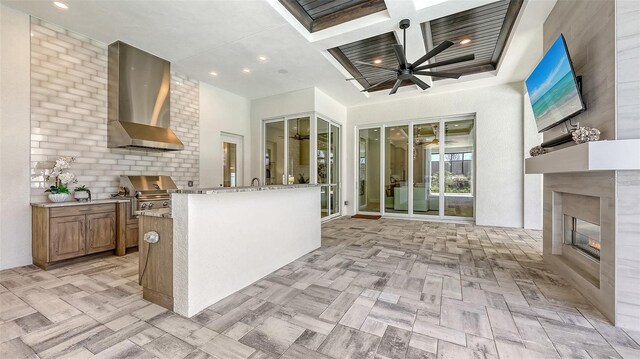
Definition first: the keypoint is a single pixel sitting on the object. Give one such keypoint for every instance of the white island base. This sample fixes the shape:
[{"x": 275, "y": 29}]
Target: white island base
[{"x": 226, "y": 239}]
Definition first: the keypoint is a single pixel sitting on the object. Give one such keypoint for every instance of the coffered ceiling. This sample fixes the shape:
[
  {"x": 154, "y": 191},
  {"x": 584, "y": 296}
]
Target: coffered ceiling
[
  {"x": 316, "y": 15},
  {"x": 224, "y": 37}
]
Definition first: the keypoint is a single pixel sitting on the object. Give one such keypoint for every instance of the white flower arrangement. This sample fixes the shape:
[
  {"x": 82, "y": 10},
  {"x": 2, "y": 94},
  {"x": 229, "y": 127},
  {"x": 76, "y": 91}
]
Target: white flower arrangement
[{"x": 62, "y": 178}]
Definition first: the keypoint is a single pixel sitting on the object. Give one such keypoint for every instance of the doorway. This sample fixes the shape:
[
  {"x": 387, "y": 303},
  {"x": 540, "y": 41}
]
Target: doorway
[
  {"x": 400, "y": 166},
  {"x": 232, "y": 160},
  {"x": 304, "y": 149}
]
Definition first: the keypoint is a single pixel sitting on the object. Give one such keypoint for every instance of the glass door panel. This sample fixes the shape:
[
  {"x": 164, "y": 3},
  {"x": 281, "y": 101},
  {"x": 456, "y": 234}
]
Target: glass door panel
[
  {"x": 298, "y": 156},
  {"x": 324, "y": 201},
  {"x": 323, "y": 131},
  {"x": 334, "y": 169},
  {"x": 229, "y": 172},
  {"x": 369, "y": 170},
  {"x": 426, "y": 194},
  {"x": 396, "y": 169},
  {"x": 274, "y": 162},
  {"x": 458, "y": 168},
  {"x": 323, "y": 150}
]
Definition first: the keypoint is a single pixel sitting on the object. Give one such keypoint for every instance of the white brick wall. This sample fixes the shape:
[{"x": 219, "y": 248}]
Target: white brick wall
[{"x": 69, "y": 117}]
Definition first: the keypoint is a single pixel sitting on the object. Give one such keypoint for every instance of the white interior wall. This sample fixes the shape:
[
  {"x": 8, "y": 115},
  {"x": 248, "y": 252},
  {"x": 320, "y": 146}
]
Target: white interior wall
[
  {"x": 499, "y": 143},
  {"x": 15, "y": 212},
  {"x": 222, "y": 111}
]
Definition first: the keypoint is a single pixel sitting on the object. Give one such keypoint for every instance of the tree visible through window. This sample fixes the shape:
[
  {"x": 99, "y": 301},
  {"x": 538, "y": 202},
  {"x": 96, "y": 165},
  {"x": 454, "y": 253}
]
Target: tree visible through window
[{"x": 457, "y": 170}]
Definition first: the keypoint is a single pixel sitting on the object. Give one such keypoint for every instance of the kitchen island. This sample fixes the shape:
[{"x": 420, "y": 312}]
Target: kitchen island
[{"x": 214, "y": 242}]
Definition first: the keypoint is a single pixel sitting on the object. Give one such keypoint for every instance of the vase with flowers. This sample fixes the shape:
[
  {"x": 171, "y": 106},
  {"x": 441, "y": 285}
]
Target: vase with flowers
[{"x": 62, "y": 177}]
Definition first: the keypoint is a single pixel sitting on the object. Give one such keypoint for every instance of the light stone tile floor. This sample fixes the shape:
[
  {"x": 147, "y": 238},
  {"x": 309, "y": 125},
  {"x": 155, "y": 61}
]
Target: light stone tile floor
[{"x": 375, "y": 289}]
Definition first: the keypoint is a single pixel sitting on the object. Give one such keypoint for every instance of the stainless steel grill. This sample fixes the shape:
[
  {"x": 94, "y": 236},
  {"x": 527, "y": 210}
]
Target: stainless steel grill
[{"x": 148, "y": 192}]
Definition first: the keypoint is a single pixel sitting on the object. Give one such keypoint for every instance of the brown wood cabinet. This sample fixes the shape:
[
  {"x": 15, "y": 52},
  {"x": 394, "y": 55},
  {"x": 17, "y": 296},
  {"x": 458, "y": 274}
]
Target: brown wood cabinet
[
  {"x": 101, "y": 232},
  {"x": 72, "y": 231},
  {"x": 67, "y": 239},
  {"x": 131, "y": 231}
]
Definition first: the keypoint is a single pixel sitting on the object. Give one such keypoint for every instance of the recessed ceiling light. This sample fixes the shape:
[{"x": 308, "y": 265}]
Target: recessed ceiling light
[
  {"x": 465, "y": 41},
  {"x": 377, "y": 61},
  {"x": 213, "y": 73},
  {"x": 246, "y": 71},
  {"x": 262, "y": 58},
  {"x": 60, "y": 5}
]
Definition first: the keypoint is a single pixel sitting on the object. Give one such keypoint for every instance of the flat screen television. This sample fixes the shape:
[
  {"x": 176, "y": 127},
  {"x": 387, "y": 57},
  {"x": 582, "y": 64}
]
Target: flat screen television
[{"x": 553, "y": 88}]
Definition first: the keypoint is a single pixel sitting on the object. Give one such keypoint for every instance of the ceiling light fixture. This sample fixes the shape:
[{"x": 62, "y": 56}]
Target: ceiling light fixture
[
  {"x": 377, "y": 61},
  {"x": 465, "y": 41},
  {"x": 246, "y": 71},
  {"x": 60, "y": 5},
  {"x": 213, "y": 73},
  {"x": 262, "y": 58}
]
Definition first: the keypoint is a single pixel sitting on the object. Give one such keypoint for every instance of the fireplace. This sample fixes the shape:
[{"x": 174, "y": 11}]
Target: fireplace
[{"x": 582, "y": 235}]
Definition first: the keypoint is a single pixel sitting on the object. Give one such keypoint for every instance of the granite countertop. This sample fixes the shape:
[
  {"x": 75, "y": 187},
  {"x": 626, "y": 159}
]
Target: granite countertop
[
  {"x": 161, "y": 213},
  {"x": 240, "y": 189},
  {"x": 76, "y": 203}
]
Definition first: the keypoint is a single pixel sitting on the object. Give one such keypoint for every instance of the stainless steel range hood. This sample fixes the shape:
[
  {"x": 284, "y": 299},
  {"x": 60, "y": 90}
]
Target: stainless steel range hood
[{"x": 139, "y": 90}]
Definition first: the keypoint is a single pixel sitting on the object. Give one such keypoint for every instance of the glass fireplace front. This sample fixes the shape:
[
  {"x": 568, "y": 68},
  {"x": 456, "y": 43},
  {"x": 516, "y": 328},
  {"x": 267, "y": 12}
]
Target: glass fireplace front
[{"x": 582, "y": 235}]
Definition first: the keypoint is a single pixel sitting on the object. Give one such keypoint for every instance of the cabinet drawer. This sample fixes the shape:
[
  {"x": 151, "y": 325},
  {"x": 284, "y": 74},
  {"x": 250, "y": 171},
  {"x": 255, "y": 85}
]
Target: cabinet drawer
[{"x": 80, "y": 210}]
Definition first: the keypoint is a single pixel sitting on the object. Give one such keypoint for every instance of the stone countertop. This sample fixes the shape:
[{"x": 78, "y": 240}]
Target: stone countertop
[
  {"x": 160, "y": 213},
  {"x": 240, "y": 189},
  {"x": 76, "y": 203}
]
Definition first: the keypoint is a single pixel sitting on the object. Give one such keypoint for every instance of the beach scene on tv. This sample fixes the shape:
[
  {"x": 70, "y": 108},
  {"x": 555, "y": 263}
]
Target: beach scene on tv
[{"x": 552, "y": 88}]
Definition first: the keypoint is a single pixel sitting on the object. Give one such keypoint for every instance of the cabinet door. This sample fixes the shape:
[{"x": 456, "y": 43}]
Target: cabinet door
[
  {"x": 67, "y": 237},
  {"x": 131, "y": 235},
  {"x": 101, "y": 232}
]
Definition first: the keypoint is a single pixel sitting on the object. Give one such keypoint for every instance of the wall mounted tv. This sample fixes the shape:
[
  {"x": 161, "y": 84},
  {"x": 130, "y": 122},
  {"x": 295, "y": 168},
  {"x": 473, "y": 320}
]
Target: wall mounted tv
[{"x": 553, "y": 88}]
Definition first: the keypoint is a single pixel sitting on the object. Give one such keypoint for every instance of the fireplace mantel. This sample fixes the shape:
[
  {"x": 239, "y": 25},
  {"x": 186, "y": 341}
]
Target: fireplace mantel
[{"x": 615, "y": 155}]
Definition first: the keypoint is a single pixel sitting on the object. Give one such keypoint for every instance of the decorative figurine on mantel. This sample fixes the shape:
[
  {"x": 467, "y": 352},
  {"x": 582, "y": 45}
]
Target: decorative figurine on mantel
[
  {"x": 537, "y": 150},
  {"x": 585, "y": 134},
  {"x": 60, "y": 192}
]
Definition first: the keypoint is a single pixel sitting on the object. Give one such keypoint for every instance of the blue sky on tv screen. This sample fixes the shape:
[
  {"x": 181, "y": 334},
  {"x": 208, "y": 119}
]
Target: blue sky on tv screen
[{"x": 553, "y": 67}]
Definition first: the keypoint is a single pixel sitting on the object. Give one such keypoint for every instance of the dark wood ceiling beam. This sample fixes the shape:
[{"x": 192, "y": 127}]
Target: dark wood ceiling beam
[
  {"x": 298, "y": 12},
  {"x": 509, "y": 22},
  {"x": 344, "y": 61},
  {"x": 348, "y": 14}
]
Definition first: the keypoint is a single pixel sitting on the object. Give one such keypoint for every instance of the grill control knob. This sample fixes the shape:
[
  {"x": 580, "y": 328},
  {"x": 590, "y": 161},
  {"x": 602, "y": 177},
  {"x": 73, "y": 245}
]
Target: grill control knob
[
  {"x": 143, "y": 206},
  {"x": 165, "y": 204},
  {"x": 150, "y": 205}
]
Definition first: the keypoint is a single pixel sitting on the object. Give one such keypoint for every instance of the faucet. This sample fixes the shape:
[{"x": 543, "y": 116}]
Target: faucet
[{"x": 253, "y": 181}]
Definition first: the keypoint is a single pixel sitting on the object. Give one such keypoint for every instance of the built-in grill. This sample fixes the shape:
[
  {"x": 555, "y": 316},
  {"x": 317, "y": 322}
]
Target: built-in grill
[{"x": 147, "y": 192}]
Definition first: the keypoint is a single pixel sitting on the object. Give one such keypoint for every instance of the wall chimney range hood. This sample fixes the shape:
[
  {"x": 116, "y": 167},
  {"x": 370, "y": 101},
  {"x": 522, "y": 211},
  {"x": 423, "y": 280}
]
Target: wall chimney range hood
[{"x": 139, "y": 91}]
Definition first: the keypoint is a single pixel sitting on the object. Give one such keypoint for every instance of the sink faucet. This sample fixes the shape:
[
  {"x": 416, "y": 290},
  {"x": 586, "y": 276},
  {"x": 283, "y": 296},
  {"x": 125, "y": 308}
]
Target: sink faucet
[{"x": 254, "y": 180}]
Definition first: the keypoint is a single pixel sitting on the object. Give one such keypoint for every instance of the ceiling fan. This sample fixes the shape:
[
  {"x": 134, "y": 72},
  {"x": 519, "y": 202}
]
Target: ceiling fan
[
  {"x": 411, "y": 71},
  {"x": 298, "y": 136}
]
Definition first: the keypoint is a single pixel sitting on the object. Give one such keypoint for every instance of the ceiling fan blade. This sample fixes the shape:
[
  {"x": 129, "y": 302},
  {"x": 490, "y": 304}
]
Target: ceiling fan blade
[
  {"x": 446, "y": 62},
  {"x": 395, "y": 87},
  {"x": 423, "y": 85},
  {"x": 377, "y": 84},
  {"x": 436, "y": 50},
  {"x": 402, "y": 60},
  {"x": 437, "y": 74},
  {"x": 376, "y": 66}
]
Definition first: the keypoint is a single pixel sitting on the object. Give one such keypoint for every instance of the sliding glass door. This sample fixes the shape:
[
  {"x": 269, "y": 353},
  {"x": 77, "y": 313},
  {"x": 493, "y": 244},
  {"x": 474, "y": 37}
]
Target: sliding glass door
[
  {"x": 274, "y": 151},
  {"x": 396, "y": 169},
  {"x": 428, "y": 164},
  {"x": 328, "y": 162},
  {"x": 369, "y": 170},
  {"x": 458, "y": 168},
  {"x": 288, "y": 147}
]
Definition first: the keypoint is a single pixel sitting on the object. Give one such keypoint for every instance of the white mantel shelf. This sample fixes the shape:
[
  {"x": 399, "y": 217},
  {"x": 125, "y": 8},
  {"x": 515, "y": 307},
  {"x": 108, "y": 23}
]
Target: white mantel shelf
[{"x": 615, "y": 155}]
